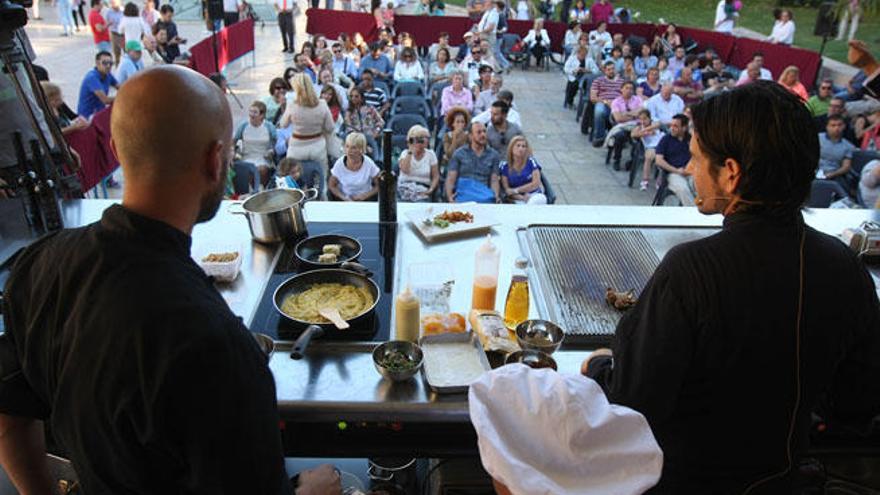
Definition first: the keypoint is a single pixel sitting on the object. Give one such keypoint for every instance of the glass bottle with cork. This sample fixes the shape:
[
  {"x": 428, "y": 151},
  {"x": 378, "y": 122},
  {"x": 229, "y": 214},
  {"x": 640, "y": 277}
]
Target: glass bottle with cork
[{"x": 516, "y": 307}]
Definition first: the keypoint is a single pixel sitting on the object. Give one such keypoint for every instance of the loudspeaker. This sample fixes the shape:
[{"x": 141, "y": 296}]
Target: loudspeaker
[
  {"x": 215, "y": 10},
  {"x": 826, "y": 20}
]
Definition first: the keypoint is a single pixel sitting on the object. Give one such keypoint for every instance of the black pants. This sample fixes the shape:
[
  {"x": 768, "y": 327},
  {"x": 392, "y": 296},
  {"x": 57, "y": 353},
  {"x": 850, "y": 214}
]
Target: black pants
[
  {"x": 285, "y": 24},
  {"x": 82, "y": 16},
  {"x": 571, "y": 89},
  {"x": 315, "y": 3},
  {"x": 230, "y": 18},
  {"x": 566, "y": 7},
  {"x": 538, "y": 52}
]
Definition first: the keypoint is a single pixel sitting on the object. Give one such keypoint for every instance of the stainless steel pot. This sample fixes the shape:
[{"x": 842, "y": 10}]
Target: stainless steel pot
[{"x": 276, "y": 214}]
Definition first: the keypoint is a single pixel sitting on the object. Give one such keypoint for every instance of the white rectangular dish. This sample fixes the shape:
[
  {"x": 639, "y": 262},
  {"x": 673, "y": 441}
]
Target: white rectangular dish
[
  {"x": 422, "y": 221},
  {"x": 453, "y": 361}
]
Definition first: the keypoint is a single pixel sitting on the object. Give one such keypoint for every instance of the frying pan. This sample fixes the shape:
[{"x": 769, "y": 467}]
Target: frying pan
[
  {"x": 304, "y": 281},
  {"x": 309, "y": 249}
]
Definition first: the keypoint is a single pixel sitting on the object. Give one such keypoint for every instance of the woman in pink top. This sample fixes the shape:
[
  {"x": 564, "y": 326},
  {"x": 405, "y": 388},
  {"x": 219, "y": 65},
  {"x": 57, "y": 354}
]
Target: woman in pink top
[
  {"x": 790, "y": 80},
  {"x": 601, "y": 11},
  {"x": 456, "y": 95}
]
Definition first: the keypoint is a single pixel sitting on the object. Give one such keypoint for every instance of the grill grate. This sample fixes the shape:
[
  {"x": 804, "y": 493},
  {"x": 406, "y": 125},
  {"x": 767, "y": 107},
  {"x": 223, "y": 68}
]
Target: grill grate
[{"x": 576, "y": 264}]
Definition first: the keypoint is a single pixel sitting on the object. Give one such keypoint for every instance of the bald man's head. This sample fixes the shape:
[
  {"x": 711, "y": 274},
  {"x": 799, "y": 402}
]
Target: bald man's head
[{"x": 166, "y": 120}]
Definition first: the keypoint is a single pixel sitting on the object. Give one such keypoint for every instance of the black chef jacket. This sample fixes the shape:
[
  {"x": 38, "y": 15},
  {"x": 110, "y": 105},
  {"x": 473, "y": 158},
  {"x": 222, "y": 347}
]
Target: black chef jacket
[
  {"x": 708, "y": 353},
  {"x": 151, "y": 385}
]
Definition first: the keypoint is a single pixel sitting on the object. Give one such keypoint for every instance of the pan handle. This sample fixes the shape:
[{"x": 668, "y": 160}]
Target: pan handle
[
  {"x": 310, "y": 194},
  {"x": 356, "y": 267},
  {"x": 236, "y": 208},
  {"x": 299, "y": 347}
]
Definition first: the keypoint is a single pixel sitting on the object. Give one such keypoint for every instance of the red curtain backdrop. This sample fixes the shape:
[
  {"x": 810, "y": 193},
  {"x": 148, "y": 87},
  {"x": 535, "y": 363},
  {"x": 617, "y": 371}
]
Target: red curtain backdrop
[
  {"x": 426, "y": 29},
  {"x": 232, "y": 42}
]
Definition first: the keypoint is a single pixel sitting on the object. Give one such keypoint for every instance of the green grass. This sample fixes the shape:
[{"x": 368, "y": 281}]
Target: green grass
[{"x": 756, "y": 15}]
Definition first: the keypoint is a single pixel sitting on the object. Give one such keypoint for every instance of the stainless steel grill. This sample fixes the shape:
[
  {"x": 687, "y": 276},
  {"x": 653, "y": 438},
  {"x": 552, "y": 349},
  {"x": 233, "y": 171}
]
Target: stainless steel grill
[{"x": 576, "y": 264}]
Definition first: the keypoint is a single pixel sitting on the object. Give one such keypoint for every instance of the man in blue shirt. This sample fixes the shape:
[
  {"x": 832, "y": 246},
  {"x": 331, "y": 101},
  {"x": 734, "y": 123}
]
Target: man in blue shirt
[
  {"x": 377, "y": 63},
  {"x": 131, "y": 61},
  {"x": 95, "y": 88},
  {"x": 343, "y": 64},
  {"x": 672, "y": 155}
]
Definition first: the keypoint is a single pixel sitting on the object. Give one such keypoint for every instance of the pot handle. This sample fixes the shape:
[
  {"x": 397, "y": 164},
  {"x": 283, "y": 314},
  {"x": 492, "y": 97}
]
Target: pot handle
[
  {"x": 236, "y": 208},
  {"x": 310, "y": 194},
  {"x": 375, "y": 476},
  {"x": 356, "y": 267},
  {"x": 299, "y": 347}
]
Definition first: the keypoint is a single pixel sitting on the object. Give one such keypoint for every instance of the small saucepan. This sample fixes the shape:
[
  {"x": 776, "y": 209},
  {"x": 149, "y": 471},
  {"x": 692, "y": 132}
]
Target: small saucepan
[
  {"x": 305, "y": 281},
  {"x": 310, "y": 249}
]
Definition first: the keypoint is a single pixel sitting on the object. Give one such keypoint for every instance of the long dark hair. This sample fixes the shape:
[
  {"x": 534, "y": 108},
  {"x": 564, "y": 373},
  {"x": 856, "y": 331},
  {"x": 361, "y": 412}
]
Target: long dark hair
[
  {"x": 130, "y": 10},
  {"x": 769, "y": 132}
]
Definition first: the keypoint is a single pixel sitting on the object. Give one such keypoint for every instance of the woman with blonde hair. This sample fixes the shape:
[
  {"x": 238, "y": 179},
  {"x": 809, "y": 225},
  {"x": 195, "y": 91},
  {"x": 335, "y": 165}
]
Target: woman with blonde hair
[
  {"x": 312, "y": 123},
  {"x": 419, "y": 171},
  {"x": 538, "y": 41},
  {"x": 354, "y": 176},
  {"x": 790, "y": 80},
  {"x": 521, "y": 174}
]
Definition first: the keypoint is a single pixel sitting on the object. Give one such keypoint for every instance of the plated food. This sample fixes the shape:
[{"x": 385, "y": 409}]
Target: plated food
[
  {"x": 220, "y": 257},
  {"x": 448, "y": 218},
  {"x": 397, "y": 361},
  {"x": 351, "y": 301},
  {"x": 620, "y": 300}
]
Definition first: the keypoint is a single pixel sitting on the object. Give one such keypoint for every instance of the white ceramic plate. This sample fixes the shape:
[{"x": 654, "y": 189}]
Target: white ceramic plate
[{"x": 483, "y": 221}]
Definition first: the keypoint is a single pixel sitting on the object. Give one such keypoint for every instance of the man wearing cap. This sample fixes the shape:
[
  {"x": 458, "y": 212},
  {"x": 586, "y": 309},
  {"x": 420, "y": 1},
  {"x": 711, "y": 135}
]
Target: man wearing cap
[
  {"x": 131, "y": 61},
  {"x": 94, "y": 92}
]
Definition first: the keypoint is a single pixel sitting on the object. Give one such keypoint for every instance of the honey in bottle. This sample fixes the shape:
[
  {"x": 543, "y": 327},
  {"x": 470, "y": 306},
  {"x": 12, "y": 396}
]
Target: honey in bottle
[
  {"x": 516, "y": 308},
  {"x": 485, "y": 276}
]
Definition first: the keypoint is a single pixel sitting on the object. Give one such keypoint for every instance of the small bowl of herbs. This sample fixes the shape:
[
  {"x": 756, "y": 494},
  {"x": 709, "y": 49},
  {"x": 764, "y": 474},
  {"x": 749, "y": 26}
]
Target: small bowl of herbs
[{"x": 398, "y": 360}]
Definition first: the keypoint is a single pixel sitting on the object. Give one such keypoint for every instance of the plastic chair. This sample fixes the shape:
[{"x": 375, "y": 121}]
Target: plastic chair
[
  {"x": 548, "y": 189},
  {"x": 408, "y": 88},
  {"x": 664, "y": 195},
  {"x": 383, "y": 86},
  {"x": 400, "y": 125},
  {"x": 508, "y": 41},
  {"x": 411, "y": 105}
]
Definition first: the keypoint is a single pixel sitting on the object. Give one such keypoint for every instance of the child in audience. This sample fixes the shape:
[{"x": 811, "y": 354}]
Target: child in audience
[
  {"x": 650, "y": 134},
  {"x": 289, "y": 173}
]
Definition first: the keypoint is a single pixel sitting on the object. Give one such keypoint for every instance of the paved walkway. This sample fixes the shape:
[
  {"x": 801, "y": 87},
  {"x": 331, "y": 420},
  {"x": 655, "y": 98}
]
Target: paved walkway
[{"x": 575, "y": 169}]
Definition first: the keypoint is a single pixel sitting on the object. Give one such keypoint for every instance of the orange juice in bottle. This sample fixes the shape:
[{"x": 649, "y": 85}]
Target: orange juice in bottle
[
  {"x": 516, "y": 308},
  {"x": 485, "y": 276}
]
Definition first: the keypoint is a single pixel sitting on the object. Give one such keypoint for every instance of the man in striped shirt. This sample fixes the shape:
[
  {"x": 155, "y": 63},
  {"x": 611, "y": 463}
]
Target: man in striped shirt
[{"x": 603, "y": 91}]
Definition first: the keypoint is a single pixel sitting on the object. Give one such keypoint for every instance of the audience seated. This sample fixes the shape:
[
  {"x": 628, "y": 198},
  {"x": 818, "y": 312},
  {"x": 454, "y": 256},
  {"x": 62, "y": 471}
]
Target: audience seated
[
  {"x": 869, "y": 184},
  {"x": 677, "y": 62},
  {"x": 419, "y": 170},
  {"x": 354, "y": 176},
  {"x": 378, "y": 64},
  {"x": 512, "y": 115},
  {"x": 456, "y": 95},
  {"x": 650, "y": 134},
  {"x": 538, "y": 41},
  {"x": 579, "y": 68},
  {"x": 472, "y": 64},
  {"x": 487, "y": 96},
  {"x": 598, "y": 38},
  {"x": 651, "y": 85},
  {"x": 255, "y": 142},
  {"x": 408, "y": 67},
  {"x": 343, "y": 63},
  {"x": 758, "y": 60},
  {"x": 818, "y": 103},
  {"x": 716, "y": 78},
  {"x": 442, "y": 42},
  {"x": 456, "y": 123},
  {"x": 672, "y": 155},
  {"x": 472, "y": 173},
  {"x": 483, "y": 82},
  {"x": 572, "y": 35},
  {"x": 288, "y": 174},
  {"x": 442, "y": 68},
  {"x": 870, "y": 139},
  {"x": 500, "y": 131},
  {"x": 334, "y": 143},
  {"x": 603, "y": 91},
  {"x": 276, "y": 102},
  {"x": 645, "y": 61},
  {"x": 624, "y": 113},
  {"x": 687, "y": 89},
  {"x": 374, "y": 96},
  {"x": 325, "y": 79},
  {"x": 835, "y": 153},
  {"x": 364, "y": 119},
  {"x": 521, "y": 174},
  {"x": 790, "y": 80},
  {"x": 67, "y": 121}
]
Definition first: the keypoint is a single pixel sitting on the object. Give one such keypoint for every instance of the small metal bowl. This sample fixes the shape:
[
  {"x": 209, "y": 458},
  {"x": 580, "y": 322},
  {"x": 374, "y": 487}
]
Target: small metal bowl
[
  {"x": 532, "y": 359},
  {"x": 410, "y": 349},
  {"x": 539, "y": 335}
]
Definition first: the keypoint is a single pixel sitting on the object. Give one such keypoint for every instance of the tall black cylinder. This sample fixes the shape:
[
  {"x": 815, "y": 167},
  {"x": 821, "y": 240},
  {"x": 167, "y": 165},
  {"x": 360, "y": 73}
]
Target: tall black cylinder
[{"x": 387, "y": 183}]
